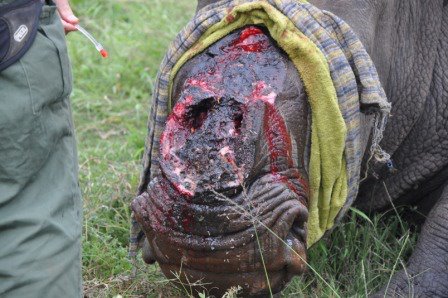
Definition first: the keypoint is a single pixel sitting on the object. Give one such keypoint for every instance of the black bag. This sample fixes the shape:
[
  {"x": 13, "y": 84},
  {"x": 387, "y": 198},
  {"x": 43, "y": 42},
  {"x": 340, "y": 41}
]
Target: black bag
[{"x": 18, "y": 28}]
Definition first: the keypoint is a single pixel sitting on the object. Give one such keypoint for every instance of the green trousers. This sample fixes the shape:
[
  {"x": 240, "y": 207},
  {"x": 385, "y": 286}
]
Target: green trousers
[{"x": 40, "y": 201}]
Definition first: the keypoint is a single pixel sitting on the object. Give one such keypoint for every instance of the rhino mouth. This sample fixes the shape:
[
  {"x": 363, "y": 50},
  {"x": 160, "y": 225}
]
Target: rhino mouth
[
  {"x": 213, "y": 220},
  {"x": 229, "y": 238}
]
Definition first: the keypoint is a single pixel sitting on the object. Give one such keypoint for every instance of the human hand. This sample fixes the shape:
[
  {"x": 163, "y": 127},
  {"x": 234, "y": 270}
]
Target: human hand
[{"x": 68, "y": 19}]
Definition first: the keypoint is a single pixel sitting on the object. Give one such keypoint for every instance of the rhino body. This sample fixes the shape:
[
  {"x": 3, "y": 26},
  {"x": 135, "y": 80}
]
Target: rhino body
[{"x": 238, "y": 140}]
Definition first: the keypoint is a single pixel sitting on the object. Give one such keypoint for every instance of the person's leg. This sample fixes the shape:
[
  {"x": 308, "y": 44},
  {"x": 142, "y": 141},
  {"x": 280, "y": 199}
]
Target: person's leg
[{"x": 40, "y": 201}]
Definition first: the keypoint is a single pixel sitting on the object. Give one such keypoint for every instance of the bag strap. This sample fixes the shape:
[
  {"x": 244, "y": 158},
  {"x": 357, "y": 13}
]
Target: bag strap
[{"x": 18, "y": 28}]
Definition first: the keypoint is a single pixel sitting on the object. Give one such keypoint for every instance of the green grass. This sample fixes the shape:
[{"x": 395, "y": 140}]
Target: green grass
[{"x": 111, "y": 102}]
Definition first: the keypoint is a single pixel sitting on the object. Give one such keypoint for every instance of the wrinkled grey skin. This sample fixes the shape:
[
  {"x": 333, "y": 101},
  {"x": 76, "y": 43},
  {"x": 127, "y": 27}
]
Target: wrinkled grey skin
[{"x": 408, "y": 42}]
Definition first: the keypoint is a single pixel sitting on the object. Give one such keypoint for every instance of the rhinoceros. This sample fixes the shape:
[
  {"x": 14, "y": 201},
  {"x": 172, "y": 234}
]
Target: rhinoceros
[{"x": 227, "y": 152}]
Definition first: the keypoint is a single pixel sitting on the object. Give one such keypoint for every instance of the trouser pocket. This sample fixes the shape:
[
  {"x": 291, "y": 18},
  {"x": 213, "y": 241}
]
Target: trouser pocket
[{"x": 49, "y": 74}]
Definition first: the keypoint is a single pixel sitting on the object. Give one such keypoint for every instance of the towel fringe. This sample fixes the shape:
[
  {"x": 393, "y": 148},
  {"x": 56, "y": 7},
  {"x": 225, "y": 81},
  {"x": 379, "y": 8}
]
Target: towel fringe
[{"x": 379, "y": 125}]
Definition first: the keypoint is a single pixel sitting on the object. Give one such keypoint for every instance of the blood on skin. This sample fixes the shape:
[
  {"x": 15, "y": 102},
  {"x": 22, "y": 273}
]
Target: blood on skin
[
  {"x": 183, "y": 191},
  {"x": 249, "y": 41},
  {"x": 258, "y": 93},
  {"x": 277, "y": 136},
  {"x": 230, "y": 18},
  {"x": 180, "y": 108},
  {"x": 167, "y": 215},
  {"x": 229, "y": 156},
  {"x": 203, "y": 84},
  {"x": 184, "y": 215},
  {"x": 187, "y": 219},
  {"x": 279, "y": 143}
]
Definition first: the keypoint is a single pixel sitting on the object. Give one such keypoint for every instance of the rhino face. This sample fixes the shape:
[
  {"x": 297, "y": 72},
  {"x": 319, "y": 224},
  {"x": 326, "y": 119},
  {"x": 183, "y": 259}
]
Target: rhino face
[{"x": 231, "y": 199}]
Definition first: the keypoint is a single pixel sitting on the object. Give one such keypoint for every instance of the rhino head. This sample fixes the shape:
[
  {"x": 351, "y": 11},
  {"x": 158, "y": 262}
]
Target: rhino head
[
  {"x": 231, "y": 199},
  {"x": 230, "y": 203}
]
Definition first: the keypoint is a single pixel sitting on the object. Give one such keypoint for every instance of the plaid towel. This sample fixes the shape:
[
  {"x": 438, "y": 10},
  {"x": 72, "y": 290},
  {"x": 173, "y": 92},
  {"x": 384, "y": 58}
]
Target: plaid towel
[{"x": 355, "y": 85}]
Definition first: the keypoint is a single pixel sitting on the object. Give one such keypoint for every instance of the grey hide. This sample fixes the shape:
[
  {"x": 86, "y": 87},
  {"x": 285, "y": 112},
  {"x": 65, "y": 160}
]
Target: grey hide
[{"x": 408, "y": 42}]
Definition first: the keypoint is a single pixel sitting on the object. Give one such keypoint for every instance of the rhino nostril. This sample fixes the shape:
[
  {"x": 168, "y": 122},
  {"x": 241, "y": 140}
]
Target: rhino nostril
[
  {"x": 298, "y": 230},
  {"x": 299, "y": 226},
  {"x": 198, "y": 113},
  {"x": 147, "y": 253},
  {"x": 237, "y": 120}
]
